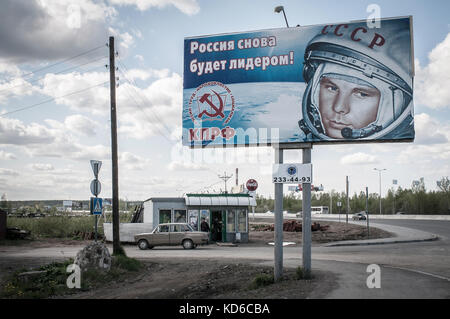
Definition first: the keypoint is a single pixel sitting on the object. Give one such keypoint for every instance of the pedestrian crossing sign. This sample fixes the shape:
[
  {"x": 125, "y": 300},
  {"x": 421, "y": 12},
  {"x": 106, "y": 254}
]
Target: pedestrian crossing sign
[{"x": 96, "y": 206}]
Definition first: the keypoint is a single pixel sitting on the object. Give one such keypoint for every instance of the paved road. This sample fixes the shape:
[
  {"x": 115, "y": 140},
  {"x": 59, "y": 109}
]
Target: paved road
[{"x": 408, "y": 270}]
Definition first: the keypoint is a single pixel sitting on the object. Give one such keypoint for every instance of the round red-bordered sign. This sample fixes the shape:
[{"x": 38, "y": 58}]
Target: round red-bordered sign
[{"x": 251, "y": 185}]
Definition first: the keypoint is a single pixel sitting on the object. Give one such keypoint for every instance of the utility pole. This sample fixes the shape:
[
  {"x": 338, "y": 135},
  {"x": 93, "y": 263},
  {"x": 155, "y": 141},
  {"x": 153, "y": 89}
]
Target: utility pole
[
  {"x": 348, "y": 202},
  {"x": 225, "y": 179},
  {"x": 367, "y": 212},
  {"x": 379, "y": 171},
  {"x": 115, "y": 167}
]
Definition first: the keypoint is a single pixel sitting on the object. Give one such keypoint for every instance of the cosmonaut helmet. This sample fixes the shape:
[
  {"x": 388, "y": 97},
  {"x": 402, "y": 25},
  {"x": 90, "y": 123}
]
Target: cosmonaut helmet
[{"x": 379, "y": 58}]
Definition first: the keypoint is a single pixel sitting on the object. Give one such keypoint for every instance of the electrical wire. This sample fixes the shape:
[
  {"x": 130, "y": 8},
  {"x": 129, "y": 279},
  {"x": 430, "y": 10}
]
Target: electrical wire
[
  {"x": 143, "y": 111},
  {"x": 52, "y": 99},
  {"x": 62, "y": 71},
  {"x": 133, "y": 83},
  {"x": 63, "y": 61}
]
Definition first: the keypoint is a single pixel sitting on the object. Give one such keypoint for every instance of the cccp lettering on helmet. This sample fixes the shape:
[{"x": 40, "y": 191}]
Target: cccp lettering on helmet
[{"x": 377, "y": 39}]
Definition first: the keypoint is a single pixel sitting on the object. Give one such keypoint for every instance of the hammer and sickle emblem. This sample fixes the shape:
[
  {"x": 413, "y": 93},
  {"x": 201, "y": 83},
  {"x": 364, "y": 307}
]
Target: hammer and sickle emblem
[{"x": 218, "y": 110}]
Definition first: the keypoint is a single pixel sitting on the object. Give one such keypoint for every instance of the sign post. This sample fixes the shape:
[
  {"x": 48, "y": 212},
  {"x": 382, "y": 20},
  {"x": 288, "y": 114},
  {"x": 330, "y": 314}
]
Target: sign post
[
  {"x": 96, "y": 203},
  {"x": 278, "y": 229},
  {"x": 339, "y": 204},
  {"x": 292, "y": 174},
  {"x": 306, "y": 208},
  {"x": 251, "y": 185}
]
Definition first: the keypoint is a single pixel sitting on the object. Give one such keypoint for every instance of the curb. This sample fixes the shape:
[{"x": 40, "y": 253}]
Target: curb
[{"x": 378, "y": 242}]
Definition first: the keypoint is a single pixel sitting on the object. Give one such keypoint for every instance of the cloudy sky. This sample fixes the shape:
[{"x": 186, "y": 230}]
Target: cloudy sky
[{"x": 54, "y": 98}]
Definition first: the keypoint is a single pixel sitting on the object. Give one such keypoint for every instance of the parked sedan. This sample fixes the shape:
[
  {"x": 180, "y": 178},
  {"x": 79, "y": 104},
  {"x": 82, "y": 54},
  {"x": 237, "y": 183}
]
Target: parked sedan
[
  {"x": 360, "y": 216},
  {"x": 172, "y": 234}
]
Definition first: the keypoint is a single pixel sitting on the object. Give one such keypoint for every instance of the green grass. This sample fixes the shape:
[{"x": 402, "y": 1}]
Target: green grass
[
  {"x": 61, "y": 226},
  {"x": 301, "y": 274},
  {"x": 126, "y": 263},
  {"x": 262, "y": 280},
  {"x": 53, "y": 281},
  {"x": 56, "y": 226}
]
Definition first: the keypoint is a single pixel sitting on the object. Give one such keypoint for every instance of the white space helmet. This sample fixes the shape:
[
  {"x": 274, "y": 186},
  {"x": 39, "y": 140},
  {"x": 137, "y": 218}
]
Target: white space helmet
[{"x": 378, "y": 58}]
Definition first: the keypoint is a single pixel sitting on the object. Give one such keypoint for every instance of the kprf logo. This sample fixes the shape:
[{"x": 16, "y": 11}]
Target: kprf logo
[{"x": 212, "y": 101}]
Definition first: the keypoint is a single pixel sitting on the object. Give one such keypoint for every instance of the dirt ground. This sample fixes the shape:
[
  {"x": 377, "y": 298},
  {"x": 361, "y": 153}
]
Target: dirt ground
[
  {"x": 167, "y": 279},
  {"x": 207, "y": 278},
  {"x": 335, "y": 232}
]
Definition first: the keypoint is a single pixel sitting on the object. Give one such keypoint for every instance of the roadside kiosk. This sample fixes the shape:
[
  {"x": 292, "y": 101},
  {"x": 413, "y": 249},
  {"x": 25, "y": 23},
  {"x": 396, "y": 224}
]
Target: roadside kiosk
[{"x": 226, "y": 215}]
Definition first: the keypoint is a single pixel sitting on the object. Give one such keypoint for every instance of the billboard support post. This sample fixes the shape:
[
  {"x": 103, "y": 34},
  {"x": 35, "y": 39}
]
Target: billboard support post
[
  {"x": 306, "y": 207},
  {"x": 278, "y": 229}
]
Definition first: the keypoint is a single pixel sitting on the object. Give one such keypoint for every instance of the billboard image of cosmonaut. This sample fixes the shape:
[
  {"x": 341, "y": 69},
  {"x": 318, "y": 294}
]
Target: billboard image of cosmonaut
[{"x": 331, "y": 83}]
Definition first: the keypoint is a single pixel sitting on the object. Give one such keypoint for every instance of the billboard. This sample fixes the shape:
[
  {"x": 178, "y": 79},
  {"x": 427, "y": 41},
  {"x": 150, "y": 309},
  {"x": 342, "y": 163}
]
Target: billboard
[{"x": 342, "y": 82}]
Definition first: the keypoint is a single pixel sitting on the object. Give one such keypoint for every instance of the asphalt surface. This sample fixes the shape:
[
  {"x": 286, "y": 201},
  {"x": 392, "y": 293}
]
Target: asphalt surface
[{"x": 417, "y": 269}]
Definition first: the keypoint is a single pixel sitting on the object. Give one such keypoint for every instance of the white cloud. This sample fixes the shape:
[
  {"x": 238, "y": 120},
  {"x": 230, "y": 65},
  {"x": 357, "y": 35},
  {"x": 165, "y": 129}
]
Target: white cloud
[
  {"x": 150, "y": 111},
  {"x": 95, "y": 101},
  {"x": 189, "y": 7},
  {"x": 7, "y": 156},
  {"x": 358, "y": 159},
  {"x": 429, "y": 131},
  {"x": 132, "y": 161},
  {"x": 8, "y": 172},
  {"x": 142, "y": 74},
  {"x": 42, "y": 167},
  {"x": 424, "y": 154},
  {"x": 15, "y": 132},
  {"x": 431, "y": 81},
  {"x": 32, "y": 30}
]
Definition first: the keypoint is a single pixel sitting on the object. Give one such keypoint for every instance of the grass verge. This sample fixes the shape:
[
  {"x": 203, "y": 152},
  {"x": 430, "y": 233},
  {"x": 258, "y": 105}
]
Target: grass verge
[{"x": 52, "y": 281}]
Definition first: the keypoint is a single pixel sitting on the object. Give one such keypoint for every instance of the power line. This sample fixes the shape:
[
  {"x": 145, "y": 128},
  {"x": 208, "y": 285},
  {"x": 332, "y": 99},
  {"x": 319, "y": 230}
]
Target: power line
[
  {"x": 52, "y": 99},
  {"x": 63, "y": 61},
  {"x": 68, "y": 69},
  {"x": 134, "y": 84},
  {"x": 143, "y": 111},
  {"x": 154, "y": 112}
]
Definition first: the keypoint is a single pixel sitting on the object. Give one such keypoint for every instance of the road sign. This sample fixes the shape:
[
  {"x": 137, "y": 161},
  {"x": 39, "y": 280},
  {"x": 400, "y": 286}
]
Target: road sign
[
  {"x": 292, "y": 173},
  {"x": 96, "y": 167},
  {"x": 96, "y": 206},
  {"x": 96, "y": 187},
  {"x": 251, "y": 185}
]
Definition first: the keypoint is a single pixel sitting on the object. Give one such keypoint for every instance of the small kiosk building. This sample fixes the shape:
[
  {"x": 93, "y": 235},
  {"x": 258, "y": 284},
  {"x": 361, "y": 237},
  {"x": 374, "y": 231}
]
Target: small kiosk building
[{"x": 226, "y": 215}]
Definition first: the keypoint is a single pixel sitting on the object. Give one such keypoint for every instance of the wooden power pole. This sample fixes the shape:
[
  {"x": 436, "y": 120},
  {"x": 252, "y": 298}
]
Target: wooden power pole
[{"x": 115, "y": 167}]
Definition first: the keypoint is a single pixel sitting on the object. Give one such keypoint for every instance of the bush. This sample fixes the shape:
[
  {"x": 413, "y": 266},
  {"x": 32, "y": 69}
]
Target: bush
[
  {"x": 56, "y": 226},
  {"x": 262, "y": 280},
  {"x": 126, "y": 263},
  {"x": 302, "y": 274}
]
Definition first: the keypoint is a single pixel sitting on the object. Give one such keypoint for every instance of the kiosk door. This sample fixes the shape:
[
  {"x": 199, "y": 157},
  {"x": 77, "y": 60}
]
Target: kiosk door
[{"x": 216, "y": 225}]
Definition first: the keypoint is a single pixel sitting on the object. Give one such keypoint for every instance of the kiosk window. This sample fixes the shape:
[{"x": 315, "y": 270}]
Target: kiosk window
[
  {"x": 193, "y": 219},
  {"x": 231, "y": 227},
  {"x": 180, "y": 216},
  {"x": 242, "y": 221},
  {"x": 165, "y": 216}
]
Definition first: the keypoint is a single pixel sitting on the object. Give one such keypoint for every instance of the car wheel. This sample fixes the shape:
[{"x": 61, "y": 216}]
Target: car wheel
[
  {"x": 188, "y": 244},
  {"x": 143, "y": 244}
]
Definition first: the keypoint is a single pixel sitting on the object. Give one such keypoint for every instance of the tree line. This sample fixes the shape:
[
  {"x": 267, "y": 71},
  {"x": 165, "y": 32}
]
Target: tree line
[{"x": 414, "y": 201}]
